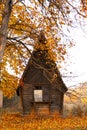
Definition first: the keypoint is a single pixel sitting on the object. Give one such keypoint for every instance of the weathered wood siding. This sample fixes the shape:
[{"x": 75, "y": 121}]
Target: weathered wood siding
[
  {"x": 27, "y": 97},
  {"x": 56, "y": 100},
  {"x": 61, "y": 102},
  {"x": 28, "y": 102},
  {"x": 52, "y": 99},
  {"x": 46, "y": 93},
  {"x": 35, "y": 76}
]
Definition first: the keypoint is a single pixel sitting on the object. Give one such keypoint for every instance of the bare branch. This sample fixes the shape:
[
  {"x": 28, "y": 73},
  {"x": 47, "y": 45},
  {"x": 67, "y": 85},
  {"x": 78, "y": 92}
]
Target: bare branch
[{"x": 76, "y": 9}]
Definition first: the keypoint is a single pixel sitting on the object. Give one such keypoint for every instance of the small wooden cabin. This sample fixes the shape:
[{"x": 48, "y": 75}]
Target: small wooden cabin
[{"x": 41, "y": 87}]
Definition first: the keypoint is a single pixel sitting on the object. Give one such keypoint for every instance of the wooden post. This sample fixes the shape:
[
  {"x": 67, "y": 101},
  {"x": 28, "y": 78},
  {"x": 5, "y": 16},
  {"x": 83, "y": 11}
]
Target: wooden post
[{"x": 1, "y": 99}]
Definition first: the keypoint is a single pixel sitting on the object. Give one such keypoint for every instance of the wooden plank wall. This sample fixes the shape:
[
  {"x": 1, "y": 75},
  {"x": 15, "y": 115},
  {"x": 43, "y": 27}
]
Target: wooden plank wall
[
  {"x": 27, "y": 98},
  {"x": 52, "y": 100},
  {"x": 56, "y": 101},
  {"x": 46, "y": 93}
]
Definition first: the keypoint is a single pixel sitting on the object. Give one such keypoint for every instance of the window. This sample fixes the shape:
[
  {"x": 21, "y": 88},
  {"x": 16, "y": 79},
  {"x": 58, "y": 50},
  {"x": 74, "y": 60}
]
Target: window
[{"x": 38, "y": 94}]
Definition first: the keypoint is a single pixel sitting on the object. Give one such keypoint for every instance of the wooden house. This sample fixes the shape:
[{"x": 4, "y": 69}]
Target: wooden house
[{"x": 41, "y": 87}]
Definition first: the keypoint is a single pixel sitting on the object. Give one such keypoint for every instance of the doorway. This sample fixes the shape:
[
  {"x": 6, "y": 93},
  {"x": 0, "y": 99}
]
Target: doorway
[{"x": 38, "y": 94}]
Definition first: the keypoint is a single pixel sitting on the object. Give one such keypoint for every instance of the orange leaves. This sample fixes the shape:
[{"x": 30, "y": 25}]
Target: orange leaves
[
  {"x": 1, "y": 11},
  {"x": 55, "y": 51},
  {"x": 84, "y": 3},
  {"x": 48, "y": 46},
  {"x": 8, "y": 84},
  {"x": 61, "y": 49},
  {"x": 84, "y": 7},
  {"x": 20, "y": 23},
  {"x": 16, "y": 121},
  {"x": 62, "y": 22},
  {"x": 48, "y": 28}
]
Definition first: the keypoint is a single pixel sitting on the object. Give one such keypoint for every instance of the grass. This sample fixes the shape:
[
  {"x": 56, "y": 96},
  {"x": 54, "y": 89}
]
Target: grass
[{"x": 15, "y": 121}]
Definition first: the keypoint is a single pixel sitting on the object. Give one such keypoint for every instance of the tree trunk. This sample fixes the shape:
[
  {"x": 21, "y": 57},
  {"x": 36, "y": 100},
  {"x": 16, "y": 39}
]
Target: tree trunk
[{"x": 4, "y": 26}]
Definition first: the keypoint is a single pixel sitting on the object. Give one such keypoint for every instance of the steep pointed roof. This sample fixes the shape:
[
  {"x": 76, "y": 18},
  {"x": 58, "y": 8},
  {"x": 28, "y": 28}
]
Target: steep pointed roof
[{"x": 41, "y": 68}]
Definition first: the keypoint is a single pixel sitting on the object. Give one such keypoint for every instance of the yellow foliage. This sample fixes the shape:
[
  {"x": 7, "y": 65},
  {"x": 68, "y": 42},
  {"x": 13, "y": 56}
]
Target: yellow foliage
[
  {"x": 17, "y": 122},
  {"x": 84, "y": 99},
  {"x": 50, "y": 47},
  {"x": 24, "y": 22},
  {"x": 1, "y": 11},
  {"x": 9, "y": 84}
]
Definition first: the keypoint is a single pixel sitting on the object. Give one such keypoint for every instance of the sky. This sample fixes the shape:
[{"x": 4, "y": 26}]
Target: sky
[{"x": 77, "y": 58}]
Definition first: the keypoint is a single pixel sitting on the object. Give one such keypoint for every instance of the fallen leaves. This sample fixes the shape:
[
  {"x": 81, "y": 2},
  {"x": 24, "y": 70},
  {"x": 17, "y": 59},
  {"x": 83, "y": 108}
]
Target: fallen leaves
[{"x": 17, "y": 122}]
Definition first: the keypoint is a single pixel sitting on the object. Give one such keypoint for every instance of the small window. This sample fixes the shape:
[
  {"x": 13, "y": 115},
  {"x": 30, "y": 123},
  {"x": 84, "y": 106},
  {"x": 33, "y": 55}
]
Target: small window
[
  {"x": 38, "y": 94},
  {"x": 38, "y": 87}
]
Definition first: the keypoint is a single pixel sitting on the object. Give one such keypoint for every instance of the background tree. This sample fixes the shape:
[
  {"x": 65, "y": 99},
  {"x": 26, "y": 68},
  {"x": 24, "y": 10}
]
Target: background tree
[{"x": 4, "y": 26}]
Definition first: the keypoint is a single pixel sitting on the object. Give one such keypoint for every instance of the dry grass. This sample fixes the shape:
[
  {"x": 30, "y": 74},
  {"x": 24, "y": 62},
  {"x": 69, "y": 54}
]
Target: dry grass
[{"x": 15, "y": 121}]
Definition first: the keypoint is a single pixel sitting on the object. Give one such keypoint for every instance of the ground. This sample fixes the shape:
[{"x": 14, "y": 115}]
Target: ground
[
  {"x": 16, "y": 121},
  {"x": 74, "y": 118}
]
